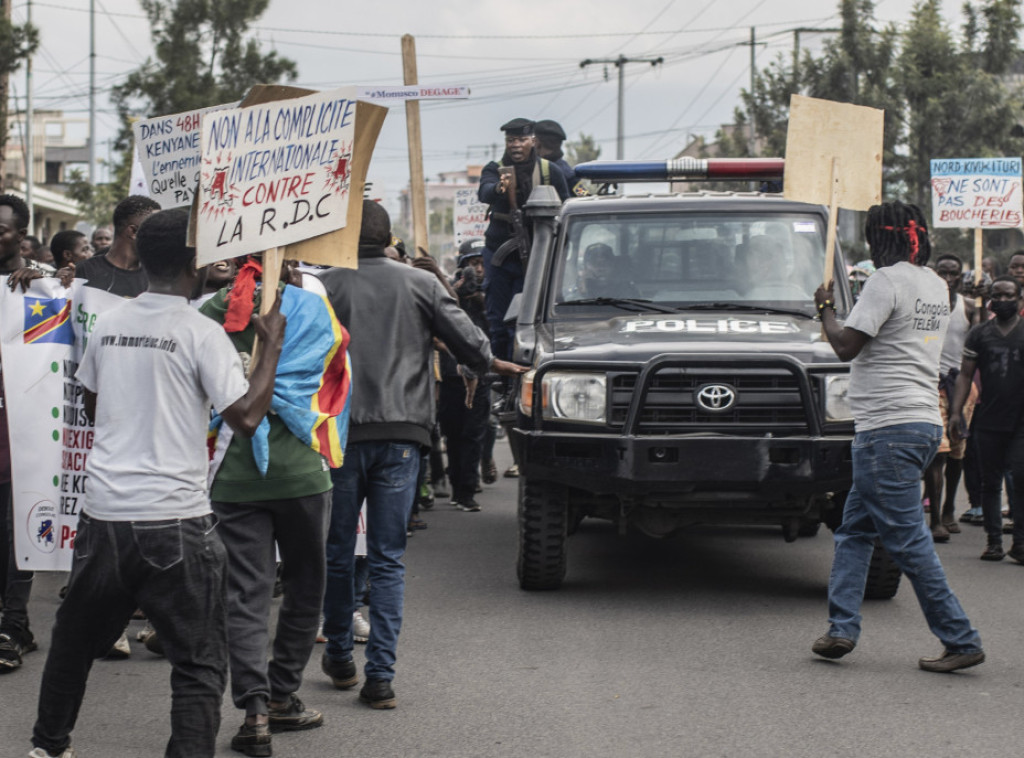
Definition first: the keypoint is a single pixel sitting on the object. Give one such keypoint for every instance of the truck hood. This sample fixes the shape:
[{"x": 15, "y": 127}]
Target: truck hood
[{"x": 640, "y": 336}]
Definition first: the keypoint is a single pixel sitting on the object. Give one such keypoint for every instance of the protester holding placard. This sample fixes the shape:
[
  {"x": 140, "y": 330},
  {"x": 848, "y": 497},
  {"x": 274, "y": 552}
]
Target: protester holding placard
[
  {"x": 893, "y": 336},
  {"x": 147, "y": 537}
]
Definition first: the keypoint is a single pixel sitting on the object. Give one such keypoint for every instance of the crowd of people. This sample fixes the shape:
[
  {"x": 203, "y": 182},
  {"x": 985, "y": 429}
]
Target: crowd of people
[{"x": 197, "y": 553}]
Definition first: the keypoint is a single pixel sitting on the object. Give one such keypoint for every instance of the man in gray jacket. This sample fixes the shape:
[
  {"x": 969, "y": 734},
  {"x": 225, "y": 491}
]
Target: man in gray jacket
[{"x": 391, "y": 312}]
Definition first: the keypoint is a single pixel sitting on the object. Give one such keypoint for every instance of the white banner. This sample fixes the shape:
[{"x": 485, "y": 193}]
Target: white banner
[
  {"x": 274, "y": 174},
  {"x": 470, "y": 215},
  {"x": 43, "y": 334},
  {"x": 167, "y": 149},
  {"x": 977, "y": 193},
  {"x": 412, "y": 92}
]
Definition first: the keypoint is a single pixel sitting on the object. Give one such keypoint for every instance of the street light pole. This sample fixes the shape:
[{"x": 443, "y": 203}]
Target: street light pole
[{"x": 620, "y": 63}]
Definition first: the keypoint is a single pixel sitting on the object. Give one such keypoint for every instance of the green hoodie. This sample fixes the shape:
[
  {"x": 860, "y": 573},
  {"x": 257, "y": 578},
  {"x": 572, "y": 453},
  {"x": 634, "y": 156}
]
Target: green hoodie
[{"x": 295, "y": 470}]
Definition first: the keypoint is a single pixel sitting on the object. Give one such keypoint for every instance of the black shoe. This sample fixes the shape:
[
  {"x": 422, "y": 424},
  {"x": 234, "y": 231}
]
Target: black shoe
[
  {"x": 1017, "y": 553},
  {"x": 377, "y": 693},
  {"x": 13, "y": 645},
  {"x": 468, "y": 504},
  {"x": 253, "y": 739},
  {"x": 294, "y": 716},
  {"x": 950, "y": 661},
  {"x": 993, "y": 552},
  {"x": 342, "y": 673},
  {"x": 489, "y": 471},
  {"x": 832, "y": 647}
]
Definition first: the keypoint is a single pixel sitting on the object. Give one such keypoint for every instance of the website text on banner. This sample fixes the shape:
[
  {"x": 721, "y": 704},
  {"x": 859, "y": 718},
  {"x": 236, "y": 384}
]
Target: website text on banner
[
  {"x": 168, "y": 153},
  {"x": 977, "y": 193},
  {"x": 274, "y": 174}
]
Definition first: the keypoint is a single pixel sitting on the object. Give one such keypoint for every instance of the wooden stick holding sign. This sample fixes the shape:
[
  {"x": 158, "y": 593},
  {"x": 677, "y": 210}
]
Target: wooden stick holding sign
[
  {"x": 848, "y": 139},
  {"x": 978, "y": 253},
  {"x": 273, "y": 261}
]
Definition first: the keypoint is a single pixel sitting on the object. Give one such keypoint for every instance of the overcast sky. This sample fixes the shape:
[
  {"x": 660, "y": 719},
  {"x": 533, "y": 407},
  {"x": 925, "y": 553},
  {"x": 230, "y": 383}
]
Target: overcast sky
[{"x": 519, "y": 58}]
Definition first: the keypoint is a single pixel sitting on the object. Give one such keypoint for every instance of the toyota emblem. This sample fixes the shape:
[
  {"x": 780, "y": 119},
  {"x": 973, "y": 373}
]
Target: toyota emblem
[{"x": 716, "y": 397}]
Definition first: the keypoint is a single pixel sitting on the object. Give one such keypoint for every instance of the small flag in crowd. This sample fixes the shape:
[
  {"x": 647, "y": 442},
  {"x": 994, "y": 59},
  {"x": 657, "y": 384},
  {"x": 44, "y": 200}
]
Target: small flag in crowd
[{"x": 48, "y": 321}]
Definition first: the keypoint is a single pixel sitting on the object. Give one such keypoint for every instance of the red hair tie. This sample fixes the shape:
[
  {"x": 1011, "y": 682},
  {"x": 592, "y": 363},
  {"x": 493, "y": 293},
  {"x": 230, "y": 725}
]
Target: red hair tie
[{"x": 913, "y": 231}]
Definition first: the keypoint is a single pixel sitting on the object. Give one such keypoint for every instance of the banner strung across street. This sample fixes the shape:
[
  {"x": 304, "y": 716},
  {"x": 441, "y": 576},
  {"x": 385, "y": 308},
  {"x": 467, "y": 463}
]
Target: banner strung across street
[
  {"x": 167, "y": 149},
  {"x": 42, "y": 336},
  {"x": 470, "y": 217},
  {"x": 977, "y": 193},
  {"x": 274, "y": 174}
]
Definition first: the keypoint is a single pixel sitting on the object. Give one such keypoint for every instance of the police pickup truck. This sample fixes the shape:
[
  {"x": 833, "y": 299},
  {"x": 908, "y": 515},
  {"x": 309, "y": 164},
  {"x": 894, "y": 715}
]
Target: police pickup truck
[{"x": 679, "y": 376}]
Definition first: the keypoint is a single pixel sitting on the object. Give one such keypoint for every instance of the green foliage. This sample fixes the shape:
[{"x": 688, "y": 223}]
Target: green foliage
[
  {"x": 17, "y": 42},
  {"x": 97, "y": 200},
  {"x": 582, "y": 150},
  {"x": 944, "y": 94},
  {"x": 202, "y": 57}
]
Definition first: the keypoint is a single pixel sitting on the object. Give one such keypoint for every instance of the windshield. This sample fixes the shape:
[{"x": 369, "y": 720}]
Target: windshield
[{"x": 745, "y": 259}]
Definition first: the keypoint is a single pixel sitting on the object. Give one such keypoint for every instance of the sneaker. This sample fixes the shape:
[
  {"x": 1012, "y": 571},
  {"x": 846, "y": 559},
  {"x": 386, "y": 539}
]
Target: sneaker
[
  {"x": 831, "y": 647},
  {"x": 253, "y": 739},
  {"x": 360, "y": 628},
  {"x": 1016, "y": 553},
  {"x": 424, "y": 497},
  {"x": 1007, "y": 527},
  {"x": 13, "y": 645},
  {"x": 417, "y": 524},
  {"x": 972, "y": 516},
  {"x": 940, "y": 533},
  {"x": 489, "y": 471},
  {"x": 293, "y": 716},
  {"x": 993, "y": 552},
  {"x": 342, "y": 673},
  {"x": 121, "y": 649},
  {"x": 38, "y": 752},
  {"x": 512, "y": 472},
  {"x": 950, "y": 661},
  {"x": 468, "y": 504},
  {"x": 950, "y": 523},
  {"x": 441, "y": 488},
  {"x": 377, "y": 693},
  {"x": 321, "y": 638},
  {"x": 149, "y": 638}
]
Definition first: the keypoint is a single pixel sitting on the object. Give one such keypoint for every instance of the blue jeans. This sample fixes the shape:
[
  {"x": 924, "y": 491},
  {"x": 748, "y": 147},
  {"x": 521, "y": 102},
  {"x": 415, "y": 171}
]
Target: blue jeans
[
  {"x": 886, "y": 502},
  {"x": 384, "y": 474},
  {"x": 174, "y": 571}
]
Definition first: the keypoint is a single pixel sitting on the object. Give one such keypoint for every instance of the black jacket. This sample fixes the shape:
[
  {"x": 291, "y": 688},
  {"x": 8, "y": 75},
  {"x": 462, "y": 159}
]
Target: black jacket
[{"x": 391, "y": 311}]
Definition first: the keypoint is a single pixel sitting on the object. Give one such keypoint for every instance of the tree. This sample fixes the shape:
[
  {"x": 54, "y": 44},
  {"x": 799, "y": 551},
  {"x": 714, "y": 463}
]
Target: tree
[
  {"x": 202, "y": 57},
  {"x": 582, "y": 150},
  {"x": 96, "y": 200},
  {"x": 17, "y": 42}
]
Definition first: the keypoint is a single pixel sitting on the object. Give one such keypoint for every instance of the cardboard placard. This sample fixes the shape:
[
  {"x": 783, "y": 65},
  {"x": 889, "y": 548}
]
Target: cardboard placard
[{"x": 820, "y": 130}]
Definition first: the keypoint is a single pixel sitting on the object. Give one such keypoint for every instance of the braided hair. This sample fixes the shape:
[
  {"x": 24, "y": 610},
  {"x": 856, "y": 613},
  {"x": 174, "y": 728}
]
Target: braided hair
[{"x": 897, "y": 232}]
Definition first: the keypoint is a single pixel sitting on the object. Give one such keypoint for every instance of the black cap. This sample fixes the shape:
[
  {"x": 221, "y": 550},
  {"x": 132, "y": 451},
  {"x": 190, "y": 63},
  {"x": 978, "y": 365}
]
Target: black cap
[
  {"x": 549, "y": 127},
  {"x": 518, "y": 127},
  {"x": 470, "y": 248}
]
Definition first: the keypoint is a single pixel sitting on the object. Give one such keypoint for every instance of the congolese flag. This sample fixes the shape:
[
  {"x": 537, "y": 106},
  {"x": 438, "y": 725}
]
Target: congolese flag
[
  {"x": 48, "y": 320},
  {"x": 312, "y": 386}
]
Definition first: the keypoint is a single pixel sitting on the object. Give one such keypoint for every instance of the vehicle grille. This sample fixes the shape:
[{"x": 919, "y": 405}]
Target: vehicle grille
[{"x": 767, "y": 400}]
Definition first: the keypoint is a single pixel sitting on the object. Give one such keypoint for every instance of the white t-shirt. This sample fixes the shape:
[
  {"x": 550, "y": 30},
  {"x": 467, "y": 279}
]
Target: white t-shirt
[
  {"x": 894, "y": 380},
  {"x": 156, "y": 365}
]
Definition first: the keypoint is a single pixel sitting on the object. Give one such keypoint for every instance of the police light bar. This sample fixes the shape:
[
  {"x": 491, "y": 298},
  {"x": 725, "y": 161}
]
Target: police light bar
[{"x": 683, "y": 169}]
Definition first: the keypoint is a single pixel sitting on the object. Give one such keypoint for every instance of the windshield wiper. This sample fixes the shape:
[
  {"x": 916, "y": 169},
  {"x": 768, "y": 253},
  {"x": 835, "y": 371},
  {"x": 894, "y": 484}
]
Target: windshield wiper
[
  {"x": 743, "y": 307},
  {"x": 636, "y": 305}
]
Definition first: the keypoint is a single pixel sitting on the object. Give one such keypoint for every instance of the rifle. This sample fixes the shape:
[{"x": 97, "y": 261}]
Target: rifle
[{"x": 520, "y": 241}]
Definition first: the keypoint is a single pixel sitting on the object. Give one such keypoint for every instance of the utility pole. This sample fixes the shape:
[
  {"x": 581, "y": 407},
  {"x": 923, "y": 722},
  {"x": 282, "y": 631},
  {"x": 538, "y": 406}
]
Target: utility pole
[
  {"x": 92, "y": 93},
  {"x": 5, "y": 6},
  {"x": 620, "y": 64},
  {"x": 417, "y": 187},
  {"x": 30, "y": 154}
]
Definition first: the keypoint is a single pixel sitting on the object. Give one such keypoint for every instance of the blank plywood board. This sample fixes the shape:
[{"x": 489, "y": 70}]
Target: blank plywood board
[{"x": 820, "y": 130}]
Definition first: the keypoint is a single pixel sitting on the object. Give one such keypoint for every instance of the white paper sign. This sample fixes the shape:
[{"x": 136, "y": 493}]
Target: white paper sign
[
  {"x": 470, "y": 216},
  {"x": 274, "y": 174},
  {"x": 977, "y": 193},
  {"x": 168, "y": 153}
]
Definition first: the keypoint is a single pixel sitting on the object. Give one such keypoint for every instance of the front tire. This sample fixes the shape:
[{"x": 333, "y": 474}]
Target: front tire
[
  {"x": 883, "y": 575},
  {"x": 543, "y": 527}
]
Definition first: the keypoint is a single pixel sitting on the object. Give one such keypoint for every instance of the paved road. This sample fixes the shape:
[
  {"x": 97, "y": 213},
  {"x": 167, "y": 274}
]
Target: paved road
[{"x": 696, "y": 646}]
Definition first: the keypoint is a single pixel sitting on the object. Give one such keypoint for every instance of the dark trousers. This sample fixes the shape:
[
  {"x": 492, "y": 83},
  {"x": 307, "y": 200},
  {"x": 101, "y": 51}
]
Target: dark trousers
[
  {"x": 298, "y": 526},
  {"x": 464, "y": 428},
  {"x": 503, "y": 282},
  {"x": 1000, "y": 452},
  {"x": 174, "y": 571},
  {"x": 15, "y": 584}
]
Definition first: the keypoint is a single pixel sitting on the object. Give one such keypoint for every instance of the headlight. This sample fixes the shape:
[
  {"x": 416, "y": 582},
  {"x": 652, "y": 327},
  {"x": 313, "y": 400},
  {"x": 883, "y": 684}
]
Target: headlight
[
  {"x": 837, "y": 398},
  {"x": 574, "y": 396}
]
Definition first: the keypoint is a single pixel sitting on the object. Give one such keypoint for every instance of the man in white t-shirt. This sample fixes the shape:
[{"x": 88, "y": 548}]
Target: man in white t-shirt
[
  {"x": 146, "y": 538},
  {"x": 893, "y": 336}
]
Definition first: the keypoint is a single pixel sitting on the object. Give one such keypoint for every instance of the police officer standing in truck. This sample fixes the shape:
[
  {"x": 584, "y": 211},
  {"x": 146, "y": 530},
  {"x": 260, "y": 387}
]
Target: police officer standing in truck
[{"x": 523, "y": 170}]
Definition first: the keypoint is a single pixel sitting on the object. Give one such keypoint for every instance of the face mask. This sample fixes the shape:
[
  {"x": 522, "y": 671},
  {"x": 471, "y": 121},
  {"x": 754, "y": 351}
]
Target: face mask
[{"x": 1004, "y": 309}]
